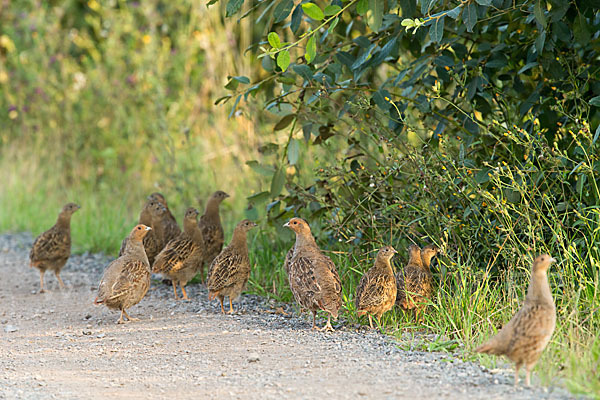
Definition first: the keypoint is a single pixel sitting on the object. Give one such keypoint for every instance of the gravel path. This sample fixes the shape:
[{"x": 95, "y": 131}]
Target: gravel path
[{"x": 58, "y": 345}]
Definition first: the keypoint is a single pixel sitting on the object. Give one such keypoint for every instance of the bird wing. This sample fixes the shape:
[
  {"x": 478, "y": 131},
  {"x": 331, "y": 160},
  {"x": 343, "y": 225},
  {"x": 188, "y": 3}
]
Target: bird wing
[
  {"x": 223, "y": 270},
  {"x": 288, "y": 258},
  {"x": 373, "y": 290},
  {"x": 174, "y": 255},
  {"x": 303, "y": 282},
  {"x": 51, "y": 245},
  {"x": 129, "y": 274},
  {"x": 330, "y": 296}
]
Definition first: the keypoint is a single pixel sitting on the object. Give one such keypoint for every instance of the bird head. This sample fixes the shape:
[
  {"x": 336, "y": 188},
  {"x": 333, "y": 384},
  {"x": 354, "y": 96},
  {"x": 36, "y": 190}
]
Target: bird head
[
  {"x": 430, "y": 251},
  {"x": 298, "y": 225},
  {"x": 157, "y": 209},
  {"x": 191, "y": 213},
  {"x": 158, "y": 197},
  {"x": 219, "y": 195},
  {"x": 70, "y": 208},
  {"x": 245, "y": 225},
  {"x": 414, "y": 251},
  {"x": 139, "y": 232},
  {"x": 386, "y": 253},
  {"x": 542, "y": 263}
]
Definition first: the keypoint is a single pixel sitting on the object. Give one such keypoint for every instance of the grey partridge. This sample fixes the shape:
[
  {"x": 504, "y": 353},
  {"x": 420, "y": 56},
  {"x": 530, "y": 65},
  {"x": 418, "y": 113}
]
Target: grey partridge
[
  {"x": 376, "y": 291},
  {"x": 212, "y": 230},
  {"x": 526, "y": 335},
  {"x": 52, "y": 249},
  {"x": 181, "y": 258},
  {"x": 169, "y": 223},
  {"x": 230, "y": 270},
  {"x": 313, "y": 277},
  {"x": 126, "y": 280},
  {"x": 145, "y": 218}
]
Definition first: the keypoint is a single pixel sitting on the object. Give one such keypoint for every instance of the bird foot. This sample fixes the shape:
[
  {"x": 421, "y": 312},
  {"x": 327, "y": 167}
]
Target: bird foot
[
  {"x": 42, "y": 291},
  {"x": 327, "y": 328},
  {"x": 122, "y": 321}
]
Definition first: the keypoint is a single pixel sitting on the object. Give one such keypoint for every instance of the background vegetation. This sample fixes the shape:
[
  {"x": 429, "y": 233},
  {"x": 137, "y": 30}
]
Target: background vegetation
[{"x": 470, "y": 124}]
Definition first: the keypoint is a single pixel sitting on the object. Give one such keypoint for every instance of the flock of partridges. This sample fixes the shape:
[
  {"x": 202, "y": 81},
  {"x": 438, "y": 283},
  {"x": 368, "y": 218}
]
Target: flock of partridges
[{"x": 157, "y": 245}]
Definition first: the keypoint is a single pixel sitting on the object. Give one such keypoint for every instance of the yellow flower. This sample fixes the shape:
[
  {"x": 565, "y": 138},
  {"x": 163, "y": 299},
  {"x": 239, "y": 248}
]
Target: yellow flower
[
  {"x": 146, "y": 39},
  {"x": 13, "y": 114},
  {"x": 3, "y": 77}
]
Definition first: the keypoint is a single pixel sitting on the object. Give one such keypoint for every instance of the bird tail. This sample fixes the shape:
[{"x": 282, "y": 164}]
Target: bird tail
[{"x": 487, "y": 348}]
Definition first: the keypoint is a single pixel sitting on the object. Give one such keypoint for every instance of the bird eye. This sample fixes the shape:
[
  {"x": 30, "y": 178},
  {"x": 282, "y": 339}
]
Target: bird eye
[{"x": 542, "y": 258}]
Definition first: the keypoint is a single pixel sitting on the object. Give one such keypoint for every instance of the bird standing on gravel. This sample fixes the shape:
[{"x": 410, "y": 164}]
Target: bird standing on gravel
[
  {"x": 169, "y": 223},
  {"x": 126, "y": 280},
  {"x": 376, "y": 291},
  {"x": 313, "y": 277},
  {"x": 230, "y": 270},
  {"x": 415, "y": 284},
  {"x": 52, "y": 249},
  {"x": 212, "y": 230},
  {"x": 181, "y": 258},
  {"x": 526, "y": 335}
]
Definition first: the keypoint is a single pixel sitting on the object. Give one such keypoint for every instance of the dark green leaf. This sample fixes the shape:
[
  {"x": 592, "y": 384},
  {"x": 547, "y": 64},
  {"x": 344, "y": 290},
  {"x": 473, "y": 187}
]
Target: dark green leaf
[
  {"x": 454, "y": 13},
  {"x": 595, "y": 101},
  {"x": 427, "y": 5},
  {"x": 235, "y": 103},
  {"x": 296, "y": 18},
  {"x": 277, "y": 182},
  {"x": 306, "y": 130},
  {"x": 597, "y": 134},
  {"x": 469, "y": 16},
  {"x": 484, "y": 2},
  {"x": 538, "y": 12},
  {"x": 436, "y": 30},
  {"x": 233, "y": 6},
  {"x": 375, "y": 14},
  {"x": 313, "y": 11},
  {"x": 251, "y": 213},
  {"x": 282, "y": 10},
  {"x": 284, "y": 122},
  {"x": 259, "y": 198},
  {"x": 333, "y": 24},
  {"x": 304, "y": 71},
  {"x": 260, "y": 168},
  {"x": 527, "y": 67},
  {"x": 362, "y": 7},
  {"x": 540, "y": 41},
  {"x": 311, "y": 49},
  {"x": 293, "y": 151},
  {"x": 283, "y": 59}
]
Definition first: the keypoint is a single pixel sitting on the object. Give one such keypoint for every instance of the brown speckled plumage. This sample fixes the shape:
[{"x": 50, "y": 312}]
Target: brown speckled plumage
[
  {"x": 126, "y": 280},
  {"x": 313, "y": 277},
  {"x": 415, "y": 283},
  {"x": 181, "y": 258},
  {"x": 230, "y": 270},
  {"x": 525, "y": 336},
  {"x": 145, "y": 218},
  {"x": 52, "y": 249},
  {"x": 212, "y": 230},
  {"x": 376, "y": 291},
  {"x": 169, "y": 224}
]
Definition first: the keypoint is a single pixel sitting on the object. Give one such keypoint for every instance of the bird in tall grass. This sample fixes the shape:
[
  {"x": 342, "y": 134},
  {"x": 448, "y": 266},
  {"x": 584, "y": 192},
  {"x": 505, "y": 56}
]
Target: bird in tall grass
[
  {"x": 181, "y": 258},
  {"x": 212, "y": 230},
  {"x": 526, "y": 335},
  {"x": 415, "y": 283},
  {"x": 376, "y": 291},
  {"x": 169, "y": 223},
  {"x": 52, "y": 249},
  {"x": 230, "y": 270},
  {"x": 313, "y": 277},
  {"x": 126, "y": 280}
]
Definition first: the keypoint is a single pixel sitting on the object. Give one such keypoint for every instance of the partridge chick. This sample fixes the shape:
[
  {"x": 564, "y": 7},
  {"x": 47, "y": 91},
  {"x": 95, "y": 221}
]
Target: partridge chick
[
  {"x": 126, "y": 280},
  {"x": 212, "y": 230},
  {"x": 169, "y": 223},
  {"x": 313, "y": 277},
  {"x": 376, "y": 291},
  {"x": 52, "y": 249},
  {"x": 415, "y": 284},
  {"x": 526, "y": 335},
  {"x": 181, "y": 258},
  {"x": 230, "y": 270},
  {"x": 155, "y": 240}
]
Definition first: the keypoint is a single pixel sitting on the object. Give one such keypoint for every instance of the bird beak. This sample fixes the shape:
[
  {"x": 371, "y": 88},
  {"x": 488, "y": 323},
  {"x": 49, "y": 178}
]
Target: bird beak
[
  {"x": 287, "y": 224},
  {"x": 148, "y": 228},
  {"x": 394, "y": 250},
  {"x": 78, "y": 207},
  {"x": 552, "y": 260},
  {"x": 226, "y": 195}
]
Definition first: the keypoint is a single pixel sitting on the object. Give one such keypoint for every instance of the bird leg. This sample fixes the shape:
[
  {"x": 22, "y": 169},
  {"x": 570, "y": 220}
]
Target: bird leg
[
  {"x": 42, "y": 282},
  {"x": 60, "y": 281},
  {"x": 314, "y": 327},
  {"x": 230, "y": 306},
  {"x": 327, "y": 326},
  {"x": 527, "y": 374},
  {"x": 370, "y": 321},
  {"x": 130, "y": 318},
  {"x": 185, "y": 296},
  {"x": 221, "y": 298},
  {"x": 517, "y": 367},
  {"x": 175, "y": 289},
  {"x": 121, "y": 320}
]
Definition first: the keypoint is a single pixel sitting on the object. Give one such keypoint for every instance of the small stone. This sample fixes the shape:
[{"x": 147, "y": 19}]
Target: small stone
[
  {"x": 10, "y": 328},
  {"x": 253, "y": 357},
  {"x": 100, "y": 336}
]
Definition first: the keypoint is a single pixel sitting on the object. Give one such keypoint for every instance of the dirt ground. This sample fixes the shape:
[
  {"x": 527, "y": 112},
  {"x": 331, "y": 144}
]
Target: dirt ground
[{"x": 59, "y": 345}]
